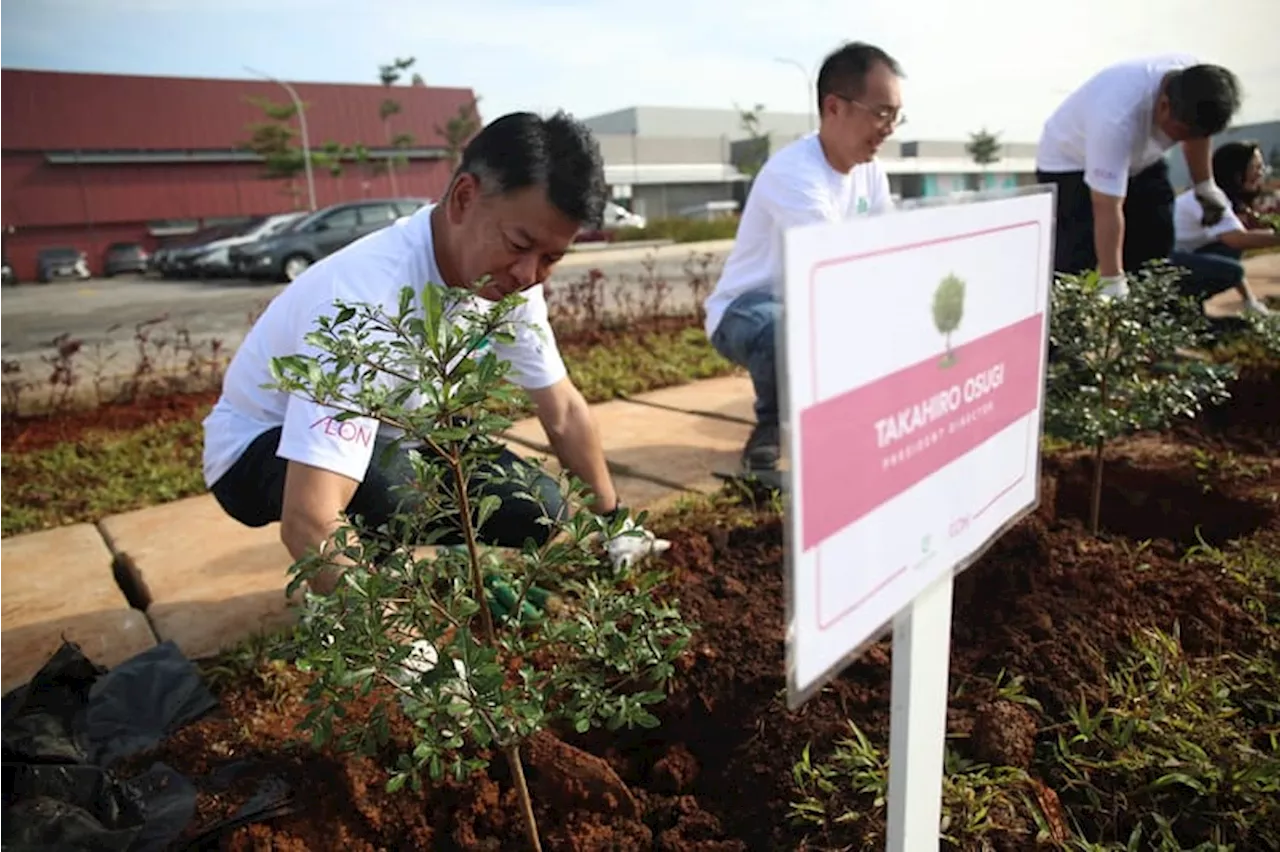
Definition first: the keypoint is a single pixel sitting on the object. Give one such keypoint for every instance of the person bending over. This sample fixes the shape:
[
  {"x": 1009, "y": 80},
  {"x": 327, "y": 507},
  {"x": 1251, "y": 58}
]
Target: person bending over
[
  {"x": 1104, "y": 148},
  {"x": 524, "y": 188}
]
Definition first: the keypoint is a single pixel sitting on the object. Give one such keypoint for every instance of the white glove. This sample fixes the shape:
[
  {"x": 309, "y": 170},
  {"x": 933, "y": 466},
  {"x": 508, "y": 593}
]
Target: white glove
[
  {"x": 1115, "y": 286},
  {"x": 1213, "y": 202},
  {"x": 632, "y": 544},
  {"x": 421, "y": 662}
]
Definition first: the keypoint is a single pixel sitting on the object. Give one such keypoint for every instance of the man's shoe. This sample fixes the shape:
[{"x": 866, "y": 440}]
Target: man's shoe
[{"x": 763, "y": 450}]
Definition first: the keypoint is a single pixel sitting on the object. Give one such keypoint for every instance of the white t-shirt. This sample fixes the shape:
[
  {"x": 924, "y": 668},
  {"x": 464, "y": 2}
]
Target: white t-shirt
[
  {"x": 797, "y": 186},
  {"x": 1190, "y": 233},
  {"x": 1105, "y": 128},
  {"x": 371, "y": 270}
]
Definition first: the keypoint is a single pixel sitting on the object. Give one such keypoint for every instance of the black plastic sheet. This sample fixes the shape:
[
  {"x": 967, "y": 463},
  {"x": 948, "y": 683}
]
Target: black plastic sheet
[{"x": 63, "y": 731}]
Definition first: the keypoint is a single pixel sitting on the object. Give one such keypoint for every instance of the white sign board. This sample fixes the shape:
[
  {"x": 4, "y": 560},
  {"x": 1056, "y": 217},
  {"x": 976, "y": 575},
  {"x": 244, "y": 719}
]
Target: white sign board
[{"x": 915, "y": 347}]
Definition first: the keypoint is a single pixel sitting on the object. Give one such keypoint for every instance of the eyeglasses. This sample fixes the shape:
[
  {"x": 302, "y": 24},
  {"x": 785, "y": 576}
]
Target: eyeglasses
[{"x": 885, "y": 116}]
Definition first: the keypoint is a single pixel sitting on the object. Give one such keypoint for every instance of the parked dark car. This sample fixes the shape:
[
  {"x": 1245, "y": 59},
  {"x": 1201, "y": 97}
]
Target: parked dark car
[
  {"x": 177, "y": 259},
  {"x": 124, "y": 257},
  {"x": 285, "y": 256},
  {"x": 61, "y": 262},
  {"x": 213, "y": 259}
]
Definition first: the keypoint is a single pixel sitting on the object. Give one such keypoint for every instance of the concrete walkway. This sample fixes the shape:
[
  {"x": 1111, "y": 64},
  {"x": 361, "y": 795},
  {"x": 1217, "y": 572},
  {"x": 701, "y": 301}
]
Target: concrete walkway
[{"x": 186, "y": 572}]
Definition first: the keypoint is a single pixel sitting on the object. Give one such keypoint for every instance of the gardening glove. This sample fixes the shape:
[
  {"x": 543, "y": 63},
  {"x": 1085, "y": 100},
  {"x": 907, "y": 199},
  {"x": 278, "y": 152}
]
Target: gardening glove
[
  {"x": 501, "y": 596},
  {"x": 502, "y": 600},
  {"x": 1115, "y": 286},
  {"x": 420, "y": 665},
  {"x": 632, "y": 543},
  {"x": 1213, "y": 202}
]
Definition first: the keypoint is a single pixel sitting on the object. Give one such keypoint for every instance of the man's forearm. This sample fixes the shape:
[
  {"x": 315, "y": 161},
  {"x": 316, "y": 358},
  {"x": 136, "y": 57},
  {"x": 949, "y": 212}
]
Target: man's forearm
[
  {"x": 1108, "y": 238},
  {"x": 303, "y": 538},
  {"x": 1199, "y": 156},
  {"x": 576, "y": 443}
]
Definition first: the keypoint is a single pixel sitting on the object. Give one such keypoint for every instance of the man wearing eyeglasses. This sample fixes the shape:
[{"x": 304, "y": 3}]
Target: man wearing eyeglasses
[
  {"x": 1105, "y": 149},
  {"x": 827, "y": 176}
]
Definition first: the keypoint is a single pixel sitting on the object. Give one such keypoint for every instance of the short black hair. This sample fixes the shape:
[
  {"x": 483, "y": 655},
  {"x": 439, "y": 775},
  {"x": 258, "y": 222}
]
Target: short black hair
[
  {"x": 844, "y": 71},
  {"x": 523, "y": 149},
  {"x": 1230, "y": 163},
  {"x": 1204, "y": 98}
]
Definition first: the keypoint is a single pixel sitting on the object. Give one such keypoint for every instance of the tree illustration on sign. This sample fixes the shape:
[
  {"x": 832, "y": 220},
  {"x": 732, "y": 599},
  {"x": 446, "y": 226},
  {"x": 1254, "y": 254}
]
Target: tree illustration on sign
[{"x": 948, "y": 310}]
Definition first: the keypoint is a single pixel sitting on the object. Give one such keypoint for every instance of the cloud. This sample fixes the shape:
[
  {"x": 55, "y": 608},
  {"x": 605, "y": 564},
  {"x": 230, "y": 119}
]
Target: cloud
[{"x": 1003, "y": 63}]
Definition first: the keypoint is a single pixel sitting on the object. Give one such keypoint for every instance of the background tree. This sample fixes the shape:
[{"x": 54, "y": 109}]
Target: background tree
[
  {"x": 984, "y": 148},
  {"x": 389, "y": 75},
  {"x": 755, "y": 150},
  {"x": 457, "y": 131},
  {"x": 275, "y": 140}
]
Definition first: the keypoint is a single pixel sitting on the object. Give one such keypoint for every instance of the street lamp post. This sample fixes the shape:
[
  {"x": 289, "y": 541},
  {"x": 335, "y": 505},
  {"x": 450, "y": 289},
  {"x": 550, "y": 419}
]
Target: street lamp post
[
  {"x": 302, "y": 120},
  {"x": 808, "y": 83}
]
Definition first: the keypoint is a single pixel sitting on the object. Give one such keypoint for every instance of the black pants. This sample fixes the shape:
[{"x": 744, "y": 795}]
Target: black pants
[
  {"x": 252, "y": 492},
  {"x": 1148, "y": 220}
]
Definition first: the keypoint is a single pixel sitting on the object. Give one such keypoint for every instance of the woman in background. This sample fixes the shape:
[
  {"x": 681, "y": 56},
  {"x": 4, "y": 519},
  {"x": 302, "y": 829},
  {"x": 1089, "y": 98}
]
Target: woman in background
[{"x": 1213, "y": 255}]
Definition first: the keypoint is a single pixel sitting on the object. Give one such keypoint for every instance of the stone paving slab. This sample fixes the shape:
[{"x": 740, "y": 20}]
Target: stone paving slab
[
  {"x": 209, "y": 581},
  {"x": 725, "y": 396},
  {"x": 672, "y": 447},
  {"x": 59, "y": 584}
]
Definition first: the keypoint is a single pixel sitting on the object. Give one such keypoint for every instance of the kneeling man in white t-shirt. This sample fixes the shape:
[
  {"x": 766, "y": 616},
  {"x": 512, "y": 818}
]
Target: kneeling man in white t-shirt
[
  {"x": 525, "y": 187},
  {"x": 1105, "y": 149},
  {"x": 827, "y": 176}
]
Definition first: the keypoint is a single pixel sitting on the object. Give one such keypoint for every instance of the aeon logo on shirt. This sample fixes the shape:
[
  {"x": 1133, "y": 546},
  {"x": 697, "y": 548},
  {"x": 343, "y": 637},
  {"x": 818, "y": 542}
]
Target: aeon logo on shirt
[{"x": 345, "y": 430}]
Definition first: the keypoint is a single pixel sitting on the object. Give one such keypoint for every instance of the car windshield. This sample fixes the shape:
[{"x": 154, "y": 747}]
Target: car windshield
[
  {"x": 247, "y": 227},
  {"x": 61, "y": 253},
  {"x": 283, "y": 226}
]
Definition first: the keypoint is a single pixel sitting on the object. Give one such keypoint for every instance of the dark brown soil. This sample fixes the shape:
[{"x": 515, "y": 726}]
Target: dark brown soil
[
  {"x": 33, "y": 433},
  {"x": 1048, "y": 603}
]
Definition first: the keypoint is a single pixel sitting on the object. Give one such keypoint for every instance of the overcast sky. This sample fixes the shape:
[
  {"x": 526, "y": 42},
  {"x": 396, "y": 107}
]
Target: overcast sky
[{"x": 1002, "y": 64}]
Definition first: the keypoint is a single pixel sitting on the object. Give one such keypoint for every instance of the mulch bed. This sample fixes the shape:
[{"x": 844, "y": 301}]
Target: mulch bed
[{"x": 717, "y": 774}]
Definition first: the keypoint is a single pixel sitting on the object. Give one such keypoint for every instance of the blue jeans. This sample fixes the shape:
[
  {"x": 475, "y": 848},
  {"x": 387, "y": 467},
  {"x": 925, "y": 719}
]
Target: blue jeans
[
  {"x": 746, "y": 336},
  {"x": 1211, "y": 269}
]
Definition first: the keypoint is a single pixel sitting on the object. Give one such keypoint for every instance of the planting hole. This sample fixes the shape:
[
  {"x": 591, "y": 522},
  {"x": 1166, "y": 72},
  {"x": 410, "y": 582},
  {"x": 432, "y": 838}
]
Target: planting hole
[{"x": 1159, "y": 498}]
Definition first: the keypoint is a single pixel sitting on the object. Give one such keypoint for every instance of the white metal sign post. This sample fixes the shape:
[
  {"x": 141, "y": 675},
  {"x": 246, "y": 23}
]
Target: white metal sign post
[{"x": 914, "y": 350}]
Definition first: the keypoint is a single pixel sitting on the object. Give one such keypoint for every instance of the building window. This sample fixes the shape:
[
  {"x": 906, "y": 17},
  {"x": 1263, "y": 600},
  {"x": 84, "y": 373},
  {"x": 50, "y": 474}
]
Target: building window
[{"x": 172, "y": 227}]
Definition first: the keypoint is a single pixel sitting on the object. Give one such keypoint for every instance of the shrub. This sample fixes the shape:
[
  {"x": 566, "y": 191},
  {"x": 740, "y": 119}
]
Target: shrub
[
  {"x": 680, "y": 230},
  {"x": 1120, "y": 365},
  {"x": 469, "y": 677}
]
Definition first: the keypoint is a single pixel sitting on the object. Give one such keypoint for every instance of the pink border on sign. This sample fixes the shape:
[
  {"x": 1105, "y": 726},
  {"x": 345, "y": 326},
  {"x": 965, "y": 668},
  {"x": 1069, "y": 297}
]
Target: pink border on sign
[{"x": 826, "y": 625}]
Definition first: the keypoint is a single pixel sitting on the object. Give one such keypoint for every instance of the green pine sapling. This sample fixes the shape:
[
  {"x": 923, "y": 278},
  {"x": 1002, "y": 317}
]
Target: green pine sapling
[
  {"x": 416, "y": 625},
  {"x": 1119, "y": 365}
]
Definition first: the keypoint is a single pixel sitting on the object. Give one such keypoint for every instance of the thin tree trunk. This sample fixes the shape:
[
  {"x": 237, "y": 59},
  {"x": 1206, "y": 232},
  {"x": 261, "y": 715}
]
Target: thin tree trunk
[
  {"x": 1095, "y": 503},
  {"x": 526, "y": 801}
]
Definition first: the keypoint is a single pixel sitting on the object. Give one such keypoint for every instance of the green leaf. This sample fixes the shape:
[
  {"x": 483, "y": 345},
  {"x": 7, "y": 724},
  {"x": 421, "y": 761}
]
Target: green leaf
[{"x": 489, "y": 504}]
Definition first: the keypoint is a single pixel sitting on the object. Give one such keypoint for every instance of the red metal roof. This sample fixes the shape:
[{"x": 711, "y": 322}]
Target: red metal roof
[{"x": 59, "y": 111}]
